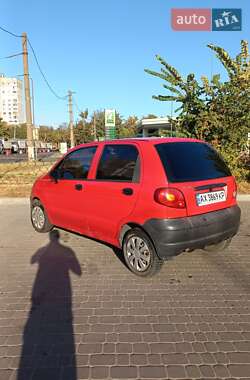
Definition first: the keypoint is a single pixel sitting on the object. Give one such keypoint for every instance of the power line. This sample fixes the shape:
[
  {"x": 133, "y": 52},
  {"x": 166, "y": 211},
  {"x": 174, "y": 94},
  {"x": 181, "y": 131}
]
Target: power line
[
  {"x": 75, "y": 103},
  {"x": 7, "y": 31},
  {"x": 38, "y": 65},
  {"x": 43, "y": 75},
  {"x": 11, "y": 56}
]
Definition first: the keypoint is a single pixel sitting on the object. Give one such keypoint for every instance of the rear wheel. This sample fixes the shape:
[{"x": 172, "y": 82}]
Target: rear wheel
[
  {"x": 39, "y": 218},
  {"x": 139, "y": 253}
]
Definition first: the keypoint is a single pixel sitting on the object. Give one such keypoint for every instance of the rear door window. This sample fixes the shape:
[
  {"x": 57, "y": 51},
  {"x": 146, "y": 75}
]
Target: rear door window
[
  {"x": 119, "y": 163},
  {"x": 191, "y": 161}
]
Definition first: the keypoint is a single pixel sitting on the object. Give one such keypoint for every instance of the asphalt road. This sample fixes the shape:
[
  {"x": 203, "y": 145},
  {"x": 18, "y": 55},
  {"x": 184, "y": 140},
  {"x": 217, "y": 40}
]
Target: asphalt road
[{"x": 72, "y": 310}]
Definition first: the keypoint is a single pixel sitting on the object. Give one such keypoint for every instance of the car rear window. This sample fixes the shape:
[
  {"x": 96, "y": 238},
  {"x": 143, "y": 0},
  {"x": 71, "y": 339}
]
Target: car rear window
[{"x": 191, "y": 161}]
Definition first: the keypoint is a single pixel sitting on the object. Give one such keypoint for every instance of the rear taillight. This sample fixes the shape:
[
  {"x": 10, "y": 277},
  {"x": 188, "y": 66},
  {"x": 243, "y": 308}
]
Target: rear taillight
[
  {"x": 234, "y": 189},
  {"x": 170, "y": 197}
]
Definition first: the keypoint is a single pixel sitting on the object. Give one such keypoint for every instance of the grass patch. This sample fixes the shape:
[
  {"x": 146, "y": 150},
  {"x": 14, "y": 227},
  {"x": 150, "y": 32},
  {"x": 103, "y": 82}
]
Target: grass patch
[
  {"x": 244, "y": 188},
  {"x": 23, "y": 172},
  {"x": 16, "y": 179},
  {"x": 14, "y": 191}
]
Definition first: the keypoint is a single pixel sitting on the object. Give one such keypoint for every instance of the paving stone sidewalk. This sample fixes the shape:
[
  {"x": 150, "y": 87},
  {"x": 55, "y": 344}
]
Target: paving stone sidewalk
[{"x": 71, "y": 310}]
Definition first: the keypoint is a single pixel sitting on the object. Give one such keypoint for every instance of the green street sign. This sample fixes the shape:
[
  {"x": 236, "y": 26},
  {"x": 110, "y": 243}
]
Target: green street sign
[
  {"x": 109, "y": 118},
  {"x": 110, "y": 133}
]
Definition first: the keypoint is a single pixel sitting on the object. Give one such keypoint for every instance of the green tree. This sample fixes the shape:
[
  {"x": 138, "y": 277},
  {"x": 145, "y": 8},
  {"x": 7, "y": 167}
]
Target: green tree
[
  {"x": 5, "y": 129},
  {"x": 128, "y": 128},
  {"x": 21, "y": 131},
  {"x": 62, "y": 134},
  {"x": 83, "y": 132},
  {"x": 216, "y": 111}
]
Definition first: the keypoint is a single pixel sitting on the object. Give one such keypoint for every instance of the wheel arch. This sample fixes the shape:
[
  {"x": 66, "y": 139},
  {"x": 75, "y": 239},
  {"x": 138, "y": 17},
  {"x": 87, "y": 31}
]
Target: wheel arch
[
  {"x": 127, "y": 227},
  {"x": 36, "y": 198},
  {"x": 124, "y": 229}
]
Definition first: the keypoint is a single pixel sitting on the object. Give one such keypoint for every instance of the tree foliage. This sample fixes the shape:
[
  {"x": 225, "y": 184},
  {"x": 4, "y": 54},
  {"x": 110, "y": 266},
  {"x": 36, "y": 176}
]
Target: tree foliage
[
  {"x": 83, "y": 129},
  {"x": 5, "y": 130},
  {"x": 213, "y": 110}
]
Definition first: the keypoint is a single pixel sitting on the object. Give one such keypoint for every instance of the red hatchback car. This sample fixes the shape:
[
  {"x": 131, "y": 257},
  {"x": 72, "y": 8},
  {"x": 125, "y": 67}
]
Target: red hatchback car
[{"x": 152, "y": 197}]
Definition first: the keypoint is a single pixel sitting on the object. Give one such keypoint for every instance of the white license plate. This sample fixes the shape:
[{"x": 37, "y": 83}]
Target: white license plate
[{"x": 209, "y": 198}]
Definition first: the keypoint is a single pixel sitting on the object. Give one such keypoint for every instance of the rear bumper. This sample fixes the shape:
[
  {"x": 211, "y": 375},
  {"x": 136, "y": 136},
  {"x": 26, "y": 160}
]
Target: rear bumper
[{"x": 172, "y": 236}]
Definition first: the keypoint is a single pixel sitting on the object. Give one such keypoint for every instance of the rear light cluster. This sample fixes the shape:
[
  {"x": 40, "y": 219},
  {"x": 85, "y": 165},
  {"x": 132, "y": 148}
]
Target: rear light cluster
[
  {"x": 170, "y": 197},
  {"x": 234, "y": 189}
]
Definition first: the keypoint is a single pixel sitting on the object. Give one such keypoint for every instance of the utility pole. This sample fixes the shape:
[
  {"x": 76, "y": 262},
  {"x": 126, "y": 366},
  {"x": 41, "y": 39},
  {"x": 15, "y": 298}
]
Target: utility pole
[
  {"x": 30, "y": 141},
  {"x": 71, "y": 120},
  {"x": 33, "y": 105}
]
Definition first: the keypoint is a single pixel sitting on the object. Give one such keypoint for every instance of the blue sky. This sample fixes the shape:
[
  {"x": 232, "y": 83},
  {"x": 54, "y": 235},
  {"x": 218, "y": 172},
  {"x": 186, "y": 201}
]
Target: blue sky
[{"x": 99, "y": 49}]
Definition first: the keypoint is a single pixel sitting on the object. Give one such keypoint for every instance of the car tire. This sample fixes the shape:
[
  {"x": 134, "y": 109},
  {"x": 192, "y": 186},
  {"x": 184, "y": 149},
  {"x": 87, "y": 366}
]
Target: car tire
[
  {"x": 221, "y": 246},
  {"x": 139, "y": 253},
  {"x": 39, "y": 217}
]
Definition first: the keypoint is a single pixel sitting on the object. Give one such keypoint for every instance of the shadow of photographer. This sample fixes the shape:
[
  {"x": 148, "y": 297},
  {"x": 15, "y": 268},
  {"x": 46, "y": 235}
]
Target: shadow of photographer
[{"x": 48, "y": 338}]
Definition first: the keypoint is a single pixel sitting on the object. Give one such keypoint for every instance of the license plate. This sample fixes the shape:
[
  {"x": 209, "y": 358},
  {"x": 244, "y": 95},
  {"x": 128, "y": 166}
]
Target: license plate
[{"x": 209, "y": 198}]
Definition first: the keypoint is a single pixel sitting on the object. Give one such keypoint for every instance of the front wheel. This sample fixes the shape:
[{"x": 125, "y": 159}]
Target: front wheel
[
  {"x": 39, "y": 218},
  {"x": 139, "y": 253}
]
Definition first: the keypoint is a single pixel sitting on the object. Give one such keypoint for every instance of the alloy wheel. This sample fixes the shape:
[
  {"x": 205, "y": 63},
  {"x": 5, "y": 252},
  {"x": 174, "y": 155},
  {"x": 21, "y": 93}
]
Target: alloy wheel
[
  {"x": 138, "y": 253},
  {"x": 38, "y": 217}
]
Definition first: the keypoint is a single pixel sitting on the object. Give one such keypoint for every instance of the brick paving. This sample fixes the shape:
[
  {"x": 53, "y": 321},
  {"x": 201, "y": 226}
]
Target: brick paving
[{"x": 83, "y": 315}]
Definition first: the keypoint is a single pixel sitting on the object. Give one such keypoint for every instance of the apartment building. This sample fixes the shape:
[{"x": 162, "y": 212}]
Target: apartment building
[{"x": 11, "y": 100}]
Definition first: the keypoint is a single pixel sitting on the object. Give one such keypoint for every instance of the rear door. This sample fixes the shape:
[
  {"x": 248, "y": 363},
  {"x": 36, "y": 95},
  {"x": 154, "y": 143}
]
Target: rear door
[
  {"x": 111, "y": 196},
  {"x": 200, "y": 173}
]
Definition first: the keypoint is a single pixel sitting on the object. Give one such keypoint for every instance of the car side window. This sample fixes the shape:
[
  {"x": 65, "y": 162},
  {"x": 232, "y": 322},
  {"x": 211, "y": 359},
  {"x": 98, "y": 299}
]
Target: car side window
[
  {"x": 119, "y": 163},
  {"x": 76, "y": 165}
]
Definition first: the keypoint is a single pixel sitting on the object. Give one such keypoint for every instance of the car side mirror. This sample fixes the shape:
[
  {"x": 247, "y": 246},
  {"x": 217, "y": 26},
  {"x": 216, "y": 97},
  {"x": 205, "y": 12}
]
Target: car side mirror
[{"x": 54, "y": 176}]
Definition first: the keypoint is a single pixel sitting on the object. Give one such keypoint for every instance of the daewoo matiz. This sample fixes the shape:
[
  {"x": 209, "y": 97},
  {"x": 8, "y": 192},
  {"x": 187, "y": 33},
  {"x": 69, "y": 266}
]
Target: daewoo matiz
[{"x": 152, "y": 197}]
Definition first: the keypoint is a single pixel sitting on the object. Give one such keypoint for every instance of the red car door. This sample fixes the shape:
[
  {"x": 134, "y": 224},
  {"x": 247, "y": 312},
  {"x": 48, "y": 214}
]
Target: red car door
[
  {"x": 65, "y": 194},
  {"x": 111, "y": 196}
]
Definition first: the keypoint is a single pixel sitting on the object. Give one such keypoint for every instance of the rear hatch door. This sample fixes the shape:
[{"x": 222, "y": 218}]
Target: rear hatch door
[{"x": 200, "y": 173}]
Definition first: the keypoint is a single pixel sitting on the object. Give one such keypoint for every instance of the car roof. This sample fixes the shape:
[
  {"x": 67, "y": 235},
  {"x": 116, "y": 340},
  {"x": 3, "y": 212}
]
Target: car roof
[{"x": 138, "y": 140}]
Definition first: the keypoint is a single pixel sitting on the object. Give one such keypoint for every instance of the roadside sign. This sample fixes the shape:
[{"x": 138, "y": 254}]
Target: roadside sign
[
  {"x": 110, "y": 132},
  {"x": 109, "y": 118},
  {"x": 63, "y": 147}
]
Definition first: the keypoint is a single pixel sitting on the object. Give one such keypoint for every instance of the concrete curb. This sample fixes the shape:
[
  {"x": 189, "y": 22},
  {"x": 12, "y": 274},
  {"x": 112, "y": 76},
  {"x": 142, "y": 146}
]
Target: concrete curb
[
  {"x": 25, "y": 201},
  {"x": 243, "y": 197},
  {"x": 14, "y": 201}
]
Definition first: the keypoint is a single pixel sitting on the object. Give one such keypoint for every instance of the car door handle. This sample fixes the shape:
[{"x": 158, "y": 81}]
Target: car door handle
[
  {"x": 78, "y": 186},
  {"x": 127, "y": 191}
]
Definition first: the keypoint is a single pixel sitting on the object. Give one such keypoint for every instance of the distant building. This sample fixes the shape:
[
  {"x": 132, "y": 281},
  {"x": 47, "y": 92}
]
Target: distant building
[
  {"x": 11, "y": 100},
  {"x": 149, "y": 127}
]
